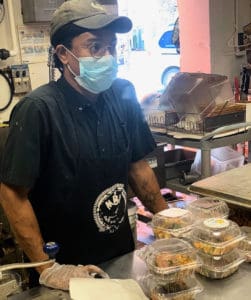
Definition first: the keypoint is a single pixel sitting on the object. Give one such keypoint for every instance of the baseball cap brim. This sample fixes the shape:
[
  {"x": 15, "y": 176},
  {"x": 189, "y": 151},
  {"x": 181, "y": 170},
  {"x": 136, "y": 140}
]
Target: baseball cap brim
[{"x": 120, "y": 24}]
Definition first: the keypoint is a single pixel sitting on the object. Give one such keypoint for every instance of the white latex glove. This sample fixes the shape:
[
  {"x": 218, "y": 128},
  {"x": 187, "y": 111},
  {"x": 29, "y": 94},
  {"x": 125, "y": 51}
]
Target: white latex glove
[{"x": 58, "y": 276}]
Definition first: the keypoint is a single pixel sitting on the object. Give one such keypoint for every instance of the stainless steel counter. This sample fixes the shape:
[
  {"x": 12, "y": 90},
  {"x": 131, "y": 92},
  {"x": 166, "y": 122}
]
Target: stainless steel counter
[{"x": 237, "y": 286}]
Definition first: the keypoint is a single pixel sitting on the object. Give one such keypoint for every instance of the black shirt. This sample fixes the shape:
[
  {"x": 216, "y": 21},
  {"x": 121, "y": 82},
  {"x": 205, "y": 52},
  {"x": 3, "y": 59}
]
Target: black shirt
[{"x": 56, "y": 136}]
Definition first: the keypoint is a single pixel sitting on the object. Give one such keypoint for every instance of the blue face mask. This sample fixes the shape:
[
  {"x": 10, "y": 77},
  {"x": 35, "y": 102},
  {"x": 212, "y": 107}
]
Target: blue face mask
[{"x": 96, "y": 74}]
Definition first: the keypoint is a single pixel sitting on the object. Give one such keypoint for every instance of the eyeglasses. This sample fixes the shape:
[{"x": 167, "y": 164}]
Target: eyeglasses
[{"x": 98, "y": 49}]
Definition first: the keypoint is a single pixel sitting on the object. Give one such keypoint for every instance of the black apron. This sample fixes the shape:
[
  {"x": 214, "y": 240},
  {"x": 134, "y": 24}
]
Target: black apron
[{"x": 96, "y": 226}]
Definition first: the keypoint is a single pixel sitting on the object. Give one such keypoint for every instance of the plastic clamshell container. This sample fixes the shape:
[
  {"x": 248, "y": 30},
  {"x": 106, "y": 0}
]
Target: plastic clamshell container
[
  {"x": 186, "y": 289},
  {"x": 10, "y": 284},
  {"x": 171, "y": 259},
  {"x": 216, "y": 236},
  {"x": 207, "y": 207},
  {"x": 172, "y": 222},
  {"x": 245, "y": 244},
  {"x": 218, "y": 267}
]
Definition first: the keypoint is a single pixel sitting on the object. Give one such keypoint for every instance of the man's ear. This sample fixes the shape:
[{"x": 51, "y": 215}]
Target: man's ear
[{"x": 62, "y": 54}]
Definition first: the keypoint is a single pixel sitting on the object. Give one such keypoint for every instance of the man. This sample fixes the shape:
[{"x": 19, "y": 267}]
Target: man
[{"x": 72, "y": 148}]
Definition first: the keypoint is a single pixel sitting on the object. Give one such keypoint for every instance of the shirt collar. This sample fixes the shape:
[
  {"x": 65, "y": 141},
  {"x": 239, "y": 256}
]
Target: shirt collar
[{"x": 73, "y": 97}]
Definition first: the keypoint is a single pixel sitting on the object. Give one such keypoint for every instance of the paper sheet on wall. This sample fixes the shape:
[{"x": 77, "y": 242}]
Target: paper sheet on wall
[{"x": 34, "y": 43}]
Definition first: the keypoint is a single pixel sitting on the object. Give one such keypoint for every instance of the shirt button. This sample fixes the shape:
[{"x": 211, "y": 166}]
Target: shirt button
[{"x": 103, "y": 149}]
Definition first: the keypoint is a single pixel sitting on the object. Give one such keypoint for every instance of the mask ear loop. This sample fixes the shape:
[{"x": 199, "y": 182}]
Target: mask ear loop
[
  {"x": 71, "y": 71},
  {"x": 68, "y": 66},
  {"x": 68, "y": 50}
]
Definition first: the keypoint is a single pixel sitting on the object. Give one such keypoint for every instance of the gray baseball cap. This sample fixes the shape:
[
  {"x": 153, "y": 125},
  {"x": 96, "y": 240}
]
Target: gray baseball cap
[{"x": 88, "y": 14}]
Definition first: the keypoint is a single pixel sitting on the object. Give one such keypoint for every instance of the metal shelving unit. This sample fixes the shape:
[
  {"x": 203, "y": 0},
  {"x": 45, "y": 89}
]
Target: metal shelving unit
[{"x": 223, "y": 136}]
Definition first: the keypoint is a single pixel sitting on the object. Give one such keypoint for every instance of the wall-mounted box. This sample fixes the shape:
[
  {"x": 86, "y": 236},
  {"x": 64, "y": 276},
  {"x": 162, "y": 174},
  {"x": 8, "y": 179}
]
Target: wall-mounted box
[
  {"x": 39, "y": 10},
  {"x": 21, "y": 78}
]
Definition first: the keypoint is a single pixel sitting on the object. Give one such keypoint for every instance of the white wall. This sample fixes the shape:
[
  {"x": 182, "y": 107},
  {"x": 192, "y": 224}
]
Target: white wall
[
  {"x": 223, "y": 16},
  {"x": 38, "y": 71}
]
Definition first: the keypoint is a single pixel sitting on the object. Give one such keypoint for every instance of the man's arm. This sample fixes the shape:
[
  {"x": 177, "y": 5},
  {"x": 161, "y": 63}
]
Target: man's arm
[
  {"x": 145, "y": 185},
  {"x": 23, "y": 222}
]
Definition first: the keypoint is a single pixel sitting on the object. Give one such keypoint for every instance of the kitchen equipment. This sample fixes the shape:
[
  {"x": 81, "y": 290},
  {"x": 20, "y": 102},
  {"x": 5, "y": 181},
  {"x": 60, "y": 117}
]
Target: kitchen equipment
[
  {"x": 196, "y": 103},
  {"x": 132, "y": 215}
]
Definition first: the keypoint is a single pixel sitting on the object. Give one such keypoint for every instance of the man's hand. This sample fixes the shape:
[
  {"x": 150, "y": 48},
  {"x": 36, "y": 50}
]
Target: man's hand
[{"x": 58, "y": 276}]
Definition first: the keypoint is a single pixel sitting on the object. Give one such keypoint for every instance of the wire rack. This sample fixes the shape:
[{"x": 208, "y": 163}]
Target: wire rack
[{"x": 191, "y": 123}]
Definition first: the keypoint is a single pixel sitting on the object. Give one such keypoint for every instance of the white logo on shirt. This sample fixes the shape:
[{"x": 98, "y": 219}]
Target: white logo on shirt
[{"x": 109, "y": 208}]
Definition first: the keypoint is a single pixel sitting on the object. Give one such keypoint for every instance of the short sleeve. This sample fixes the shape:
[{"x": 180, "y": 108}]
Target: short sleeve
[
  {"x": 142, "y": 142},
  {"x": 142, "y": 139},
  {"x": 25, "y": 147}
]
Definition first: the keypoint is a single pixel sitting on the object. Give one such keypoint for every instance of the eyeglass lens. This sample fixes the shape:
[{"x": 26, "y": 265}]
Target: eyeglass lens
[{"x": 98, "y": 49}]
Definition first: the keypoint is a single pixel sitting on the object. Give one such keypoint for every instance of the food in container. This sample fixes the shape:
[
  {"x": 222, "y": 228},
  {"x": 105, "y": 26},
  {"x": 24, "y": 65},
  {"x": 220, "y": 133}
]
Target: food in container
[
  {"x": 185, "y": 289},
  {"x": 10, "y": 284},
  {"x": 172, "y": 222},
  {"x": 207, "y": 207},
  {"x": 216, "y": 236},
  {"x": 170, "y": 259},
  {"x": 245, "y": 244},
  {"x": 217, "y": 267}
]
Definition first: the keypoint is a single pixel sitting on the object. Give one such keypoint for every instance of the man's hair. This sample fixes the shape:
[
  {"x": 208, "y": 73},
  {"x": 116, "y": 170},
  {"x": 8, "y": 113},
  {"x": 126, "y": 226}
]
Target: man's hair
[{"x": 64, "y": 36}]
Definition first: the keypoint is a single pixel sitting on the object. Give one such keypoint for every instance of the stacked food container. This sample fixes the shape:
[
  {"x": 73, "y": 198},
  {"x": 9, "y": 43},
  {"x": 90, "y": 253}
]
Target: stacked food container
[
  {"x": 216, "y": 238},
  {"x": 171, "y": 264},
  {"x": 245, "y": 244},
  {"x": 172, "y": 222},
  {"x": 207, "y": 207}
]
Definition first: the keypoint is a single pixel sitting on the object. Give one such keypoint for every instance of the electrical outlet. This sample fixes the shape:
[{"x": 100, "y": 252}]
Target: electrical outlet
[{"x": 21, "y": 78}]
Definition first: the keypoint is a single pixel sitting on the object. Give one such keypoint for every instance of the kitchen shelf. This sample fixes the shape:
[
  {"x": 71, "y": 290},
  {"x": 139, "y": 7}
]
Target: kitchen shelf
[{"x": 223, "y": 136}]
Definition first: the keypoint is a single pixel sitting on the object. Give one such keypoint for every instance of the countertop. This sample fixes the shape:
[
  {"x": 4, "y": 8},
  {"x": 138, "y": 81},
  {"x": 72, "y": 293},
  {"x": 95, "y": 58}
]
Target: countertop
[{"x": 237, "y": 286}]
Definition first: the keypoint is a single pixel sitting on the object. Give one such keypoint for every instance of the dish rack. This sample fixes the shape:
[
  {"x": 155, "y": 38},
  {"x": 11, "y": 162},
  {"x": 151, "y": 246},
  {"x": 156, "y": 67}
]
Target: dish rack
[{"x": 196, "y": 123}]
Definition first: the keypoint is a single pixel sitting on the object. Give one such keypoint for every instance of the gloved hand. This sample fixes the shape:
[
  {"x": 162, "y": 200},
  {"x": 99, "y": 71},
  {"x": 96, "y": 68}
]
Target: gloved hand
[{"x": 58, "y": 276}]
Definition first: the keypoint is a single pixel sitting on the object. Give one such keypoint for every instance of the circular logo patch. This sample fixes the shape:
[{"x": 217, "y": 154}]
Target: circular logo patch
[{"x": 110, "y": 208}]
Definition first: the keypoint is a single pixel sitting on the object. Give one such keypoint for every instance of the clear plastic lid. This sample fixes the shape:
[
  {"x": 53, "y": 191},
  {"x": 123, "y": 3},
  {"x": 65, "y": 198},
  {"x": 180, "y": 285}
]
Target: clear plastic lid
[
  {"x": 220, "y": 266},
  {"x": 185, "y": 289},
  {"x": 245, "y": 244},
  {"x": 208, "y": 207},
  {"x": 10, "y": 283},
  {"x": 216, "y": 236},
  {"x": 174, "y": 221},
  {"x": 171, "y": 259}
]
